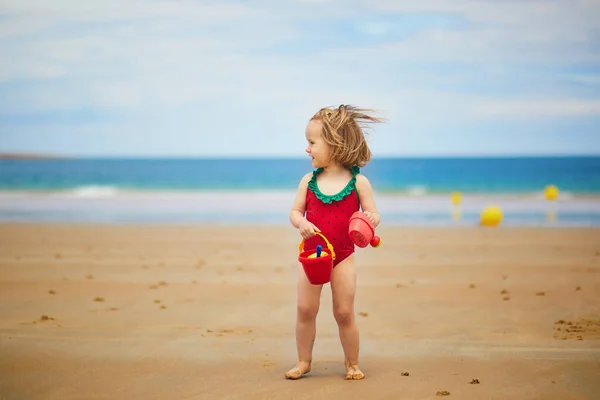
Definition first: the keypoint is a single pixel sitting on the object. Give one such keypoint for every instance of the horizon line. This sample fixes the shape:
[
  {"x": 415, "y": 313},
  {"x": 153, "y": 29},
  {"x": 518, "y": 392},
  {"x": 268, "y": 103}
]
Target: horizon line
[{"x": 57, "y": 156}]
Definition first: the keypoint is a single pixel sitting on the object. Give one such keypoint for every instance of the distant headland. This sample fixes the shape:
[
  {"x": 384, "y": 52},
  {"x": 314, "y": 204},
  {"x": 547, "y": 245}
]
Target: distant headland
[{"x": 29, "y": 156}]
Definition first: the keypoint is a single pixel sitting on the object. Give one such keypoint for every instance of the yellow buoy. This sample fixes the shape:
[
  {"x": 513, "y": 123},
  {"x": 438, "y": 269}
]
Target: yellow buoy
[
  {"x": 551, "y": 192},
  {"x": 456, "y": 198},
  {"x": 491, "y": 216}
]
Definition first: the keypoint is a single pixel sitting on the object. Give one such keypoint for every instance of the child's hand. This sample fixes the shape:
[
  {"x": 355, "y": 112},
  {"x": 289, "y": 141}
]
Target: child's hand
[
  {"x": 373, "y": 217},
  {"x": 307, "y": 229}
]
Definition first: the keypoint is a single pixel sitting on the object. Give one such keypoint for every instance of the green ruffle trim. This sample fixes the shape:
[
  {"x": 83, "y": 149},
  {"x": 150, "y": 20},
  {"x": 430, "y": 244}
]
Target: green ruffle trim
[{"x": 312, "y": 185}]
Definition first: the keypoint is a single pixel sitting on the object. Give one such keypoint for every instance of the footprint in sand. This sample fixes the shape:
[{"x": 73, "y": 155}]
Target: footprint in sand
[
  {"x": 99, "y": 299},
  {"x": 540, "y": 294},
  {"x": 504, "y": 291},
  {"x": 89, "y": 277},
  {"x": 580, "y": 329},
  {"x": 404, "y": 373},
  {"x": 157, "y": 301},
  {"x": 222, "y": 332},
  {"x": 506, "y": 298},
  {"x": 442, "y": 393},
  {"x": 474, "y": 381},
  {"x": 52, "y": 291},
  {"x": 363, "y": 314},
  {"x": 43, "y": 318},
  {"x": 472, "y": 286}
]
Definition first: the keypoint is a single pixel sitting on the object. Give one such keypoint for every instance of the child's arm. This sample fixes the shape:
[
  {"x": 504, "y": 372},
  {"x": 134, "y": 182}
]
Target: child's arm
[
  {"x": 297, "y": 218},
  {"x": 367, "y": 201}
]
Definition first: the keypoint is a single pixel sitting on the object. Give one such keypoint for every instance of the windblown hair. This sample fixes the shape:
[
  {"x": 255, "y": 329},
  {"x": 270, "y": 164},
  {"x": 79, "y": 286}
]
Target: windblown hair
[{"x": 343, "y": 131}]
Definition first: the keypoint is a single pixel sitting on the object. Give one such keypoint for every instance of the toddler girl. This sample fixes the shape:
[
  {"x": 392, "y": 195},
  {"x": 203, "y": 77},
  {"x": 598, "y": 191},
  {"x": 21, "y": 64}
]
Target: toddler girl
[{"x": 325, "y": 201}]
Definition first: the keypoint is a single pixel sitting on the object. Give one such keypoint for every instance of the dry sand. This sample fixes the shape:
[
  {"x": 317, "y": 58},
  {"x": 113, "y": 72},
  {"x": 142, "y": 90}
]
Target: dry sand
[{"x": 149, "y": 312}]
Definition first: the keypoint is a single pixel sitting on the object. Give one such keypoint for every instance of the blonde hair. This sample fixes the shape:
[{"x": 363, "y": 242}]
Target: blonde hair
[{"x": 343, "y": 131}]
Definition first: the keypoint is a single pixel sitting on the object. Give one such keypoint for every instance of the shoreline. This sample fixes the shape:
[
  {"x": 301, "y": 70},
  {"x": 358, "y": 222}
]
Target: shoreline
[
  {"x": 111, "y": 190},
  {"x": 272, "y": 207}
]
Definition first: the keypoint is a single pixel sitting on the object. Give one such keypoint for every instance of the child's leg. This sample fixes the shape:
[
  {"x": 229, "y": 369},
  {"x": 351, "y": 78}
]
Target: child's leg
[
  {"x": 309, "y": 297},
  {"x": 343, "y": 288}
]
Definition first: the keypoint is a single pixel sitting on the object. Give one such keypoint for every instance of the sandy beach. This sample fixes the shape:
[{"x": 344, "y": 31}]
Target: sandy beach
[{"x": 207, "y": 312}]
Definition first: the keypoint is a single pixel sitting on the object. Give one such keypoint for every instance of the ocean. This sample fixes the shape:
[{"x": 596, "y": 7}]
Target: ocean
[{"x": 409, "y": 191}]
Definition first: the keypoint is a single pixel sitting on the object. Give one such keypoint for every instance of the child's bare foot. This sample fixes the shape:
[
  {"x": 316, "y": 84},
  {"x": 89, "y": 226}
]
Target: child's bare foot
[
  {"x": 353, "y": 373},
  {"x": 300, "y": 369}
]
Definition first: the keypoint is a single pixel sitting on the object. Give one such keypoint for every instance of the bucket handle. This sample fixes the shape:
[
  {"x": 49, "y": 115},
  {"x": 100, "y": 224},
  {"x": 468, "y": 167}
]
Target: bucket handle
[{"x": 329, "y": 246}]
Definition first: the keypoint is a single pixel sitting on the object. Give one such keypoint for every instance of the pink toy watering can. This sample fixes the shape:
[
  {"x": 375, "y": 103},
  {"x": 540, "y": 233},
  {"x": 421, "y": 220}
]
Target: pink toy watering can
[{"x": 362, "y": 231}]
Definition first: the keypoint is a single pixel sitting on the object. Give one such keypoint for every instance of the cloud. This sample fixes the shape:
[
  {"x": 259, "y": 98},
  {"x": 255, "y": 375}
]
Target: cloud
[
  {"x": 539, "y": 108},
  {"x": 265, "y": 67},
  {"x": 374, "y": 28}
]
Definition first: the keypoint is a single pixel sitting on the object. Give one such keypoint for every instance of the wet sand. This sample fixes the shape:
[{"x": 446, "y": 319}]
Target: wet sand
[{"x": 155, "y": 312}]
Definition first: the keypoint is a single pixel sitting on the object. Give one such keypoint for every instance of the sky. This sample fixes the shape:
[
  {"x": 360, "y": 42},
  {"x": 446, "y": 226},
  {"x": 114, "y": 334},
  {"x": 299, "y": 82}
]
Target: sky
[{"x": 145, "y": 78}]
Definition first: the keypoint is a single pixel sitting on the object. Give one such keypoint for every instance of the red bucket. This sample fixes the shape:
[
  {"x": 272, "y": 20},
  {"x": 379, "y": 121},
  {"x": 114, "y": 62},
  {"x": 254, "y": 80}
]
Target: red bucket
[
  {"x": 362, "y": 231},
  {"x": 317, "y": 269}
]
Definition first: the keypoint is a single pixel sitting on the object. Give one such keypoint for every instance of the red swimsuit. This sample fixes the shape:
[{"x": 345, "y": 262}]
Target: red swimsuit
[{"x": 331, "y": 214}]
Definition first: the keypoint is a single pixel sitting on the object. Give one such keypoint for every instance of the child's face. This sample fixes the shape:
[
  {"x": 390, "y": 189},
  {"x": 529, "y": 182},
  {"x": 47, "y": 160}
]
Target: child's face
[{"x": 317, "y": 149}]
